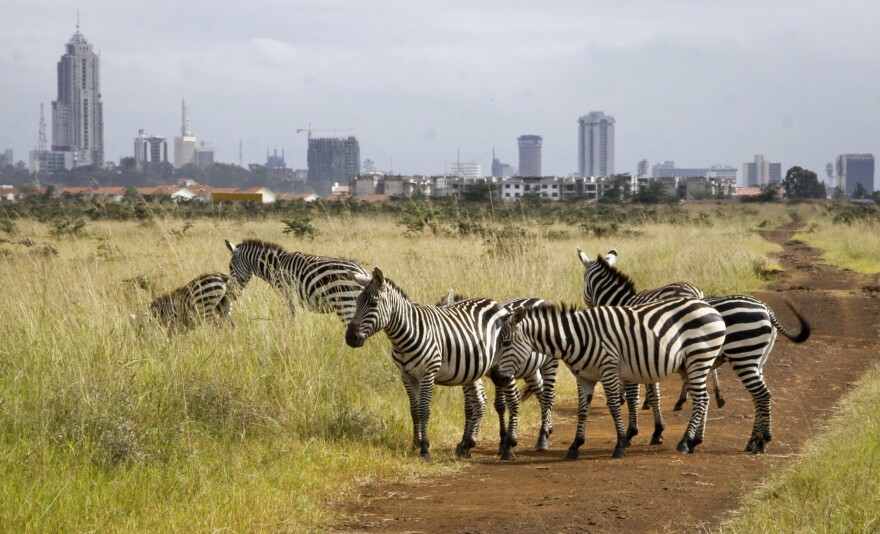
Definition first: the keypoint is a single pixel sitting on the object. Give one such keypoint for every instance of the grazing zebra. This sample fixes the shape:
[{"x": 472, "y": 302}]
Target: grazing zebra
[
  {"x": 208, "y": 296},
  {"x": 751, "y": 328},
  {"x": 322, "y": 284},
  {"x": 601, "y": 288},
  {"x": 539, "y": 374},
  {"x": 451, "y": 345},
  {"x": 638, "y": 344}
]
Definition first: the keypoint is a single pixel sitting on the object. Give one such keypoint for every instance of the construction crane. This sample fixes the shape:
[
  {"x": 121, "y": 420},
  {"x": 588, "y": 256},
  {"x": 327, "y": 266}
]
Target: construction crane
[{"x": 309, "y": 130}]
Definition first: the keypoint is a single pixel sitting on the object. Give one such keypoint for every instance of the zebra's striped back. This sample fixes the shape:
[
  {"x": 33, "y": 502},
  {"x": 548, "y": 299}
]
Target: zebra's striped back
[
  {"x": 205, "y": 297},
  {"x": 320, "y": 283}
]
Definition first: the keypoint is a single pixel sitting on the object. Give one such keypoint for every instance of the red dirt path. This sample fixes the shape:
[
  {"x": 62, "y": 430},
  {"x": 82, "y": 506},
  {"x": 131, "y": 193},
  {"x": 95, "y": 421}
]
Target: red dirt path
[{"x": 654, "y": 488}]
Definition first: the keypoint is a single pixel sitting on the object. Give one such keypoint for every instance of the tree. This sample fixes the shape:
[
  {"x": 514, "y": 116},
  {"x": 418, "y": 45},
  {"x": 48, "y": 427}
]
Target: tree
[
  {"x": 860, "y": 191},
  {"x": 838, "y": 193},
  {"x": 653, "y": 193},
  {"x": 802, "y": 183},
  {"x": 618, "y": 189}
]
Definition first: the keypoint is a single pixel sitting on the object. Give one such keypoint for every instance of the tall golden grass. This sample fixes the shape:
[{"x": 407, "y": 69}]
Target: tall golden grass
[{"x": 106, "y": 426}]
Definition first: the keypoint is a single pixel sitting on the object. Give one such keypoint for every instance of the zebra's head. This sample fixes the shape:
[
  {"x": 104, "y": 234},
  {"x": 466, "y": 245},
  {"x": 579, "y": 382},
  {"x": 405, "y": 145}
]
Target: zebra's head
[
  {"x": 239, "y": 267},
  {"x": 372, "y": 311},
  {"x": 595, "y": 274},
  {"x": 514, "y": 348}
]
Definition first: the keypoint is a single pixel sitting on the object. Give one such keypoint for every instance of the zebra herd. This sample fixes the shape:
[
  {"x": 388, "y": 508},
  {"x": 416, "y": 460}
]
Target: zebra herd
[{"x": 623, "y": 339}]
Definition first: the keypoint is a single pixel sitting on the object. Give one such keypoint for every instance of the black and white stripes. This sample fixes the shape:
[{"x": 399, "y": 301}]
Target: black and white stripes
[
  {"x": 206, "y": 297},
  {"x": 320, "y": 283},
  {"x": 451, "y": 345}
]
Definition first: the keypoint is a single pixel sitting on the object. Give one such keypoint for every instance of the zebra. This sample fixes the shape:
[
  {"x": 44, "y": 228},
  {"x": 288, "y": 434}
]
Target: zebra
[
  {"x": 635, "y": 344},
  {"x": 451, "y": 345},
  {"x": 751, "y": 328},
  {"x": 208, "y": 296},
  {"x": 321, "y": 283},
  {"x": 599, "y": 293},
  {"x": 539, "y": 374}
]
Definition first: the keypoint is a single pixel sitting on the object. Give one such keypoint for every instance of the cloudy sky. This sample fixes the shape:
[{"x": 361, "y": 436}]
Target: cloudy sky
[{"x": 423, "y": 83}]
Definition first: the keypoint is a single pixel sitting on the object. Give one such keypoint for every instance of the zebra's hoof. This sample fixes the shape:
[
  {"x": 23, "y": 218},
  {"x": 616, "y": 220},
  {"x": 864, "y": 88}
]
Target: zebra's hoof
[
  {"x": 542, "y": 444},
  {"x": 426, "y": 456},
  {"x": 720, "y": 402},
  {"x": 646, "y": 406},
  {"x": 683, "y": 447},
  {"x": 656, "y": 440},
  {"x": 619, "y": 452},
  {"x": 572, "y": 454},
  {"x": 677, "y": 407},
  {"x": 755, "y": 446},
  {"x": 508, "y": 455}
]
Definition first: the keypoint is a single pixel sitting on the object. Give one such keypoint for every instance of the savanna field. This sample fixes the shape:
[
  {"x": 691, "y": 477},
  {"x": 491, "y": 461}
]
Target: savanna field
[{"x": 114, "y": 426}]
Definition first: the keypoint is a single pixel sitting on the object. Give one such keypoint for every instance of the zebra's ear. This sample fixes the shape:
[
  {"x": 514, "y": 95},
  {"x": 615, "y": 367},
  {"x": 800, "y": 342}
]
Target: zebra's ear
[
  {"x": 134, "y": 318},
  {"x": 378, "y": 277},
  {"x": 450, "y": 297},
  {"x": 361, "y": 279},
  {"x": 583, "y": 257},
  {"x": 230, "y": 246},
  {"x": 611, "y": 257},
  {"x": 516, "y": 317}
]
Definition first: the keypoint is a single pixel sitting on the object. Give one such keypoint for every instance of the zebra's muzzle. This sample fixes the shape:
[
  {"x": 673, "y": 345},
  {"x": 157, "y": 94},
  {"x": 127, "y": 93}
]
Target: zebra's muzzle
[{"x": 353, "y": 338}]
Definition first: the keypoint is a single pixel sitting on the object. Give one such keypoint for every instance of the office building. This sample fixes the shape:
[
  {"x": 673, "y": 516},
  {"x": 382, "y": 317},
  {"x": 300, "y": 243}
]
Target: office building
[
  {"x": 761, "y": 172},
  {"x": 465, "y": 169},
  {"x": 332, "y": 160},
  {"x": 149, "y": 149},
  {"x": 499, "y": 169},
  {"x": 77, "y": 113},
  {"x": 529, "y": 155},
  {"x": 667, "y": 169},
  {"x": 275, "y": 162},
  {"x": 854, "y": 169},
  {"x": 596, "y": 144}
]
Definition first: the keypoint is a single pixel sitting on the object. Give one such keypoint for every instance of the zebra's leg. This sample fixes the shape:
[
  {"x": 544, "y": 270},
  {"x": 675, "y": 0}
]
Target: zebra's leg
[
  {"x": 585, "y": 398},
  {"x": 693, "y": 435},
  {"x": 411, "y": 384},
  {"x": 716, "y": 388},
  {"x": 682, "y": 396},
  {"x": 611, "y": 383},
  {"x": 652, "y": 392},
  {"x": 511, "y": 396},
  {"x": 632, "y": 405},
  {"x": 426, "y": 391},
  {"x": 535, "y": 385},
  {"x": 476, "y": 398},
  {"x": 500, "y": 407},
  {"x": 753, "y": 379},
  {"x": 548, "y": 372}
]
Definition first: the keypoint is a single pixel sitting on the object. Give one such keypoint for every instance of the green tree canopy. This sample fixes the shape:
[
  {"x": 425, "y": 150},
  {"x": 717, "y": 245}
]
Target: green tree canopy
[{"x": 802, "y": 183}]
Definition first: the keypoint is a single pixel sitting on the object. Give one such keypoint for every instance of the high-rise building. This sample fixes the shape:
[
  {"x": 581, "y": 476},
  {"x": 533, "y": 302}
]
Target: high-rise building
[
  {"x": 761, "y": 172},
  {"x": 78, "y": 113},
  {"x": 854, "y": 169},
  {"x": 185, "y": 144},
  {"x": 499, "y": 169},
  {"x": 332, "y": 159},
  {"x": 149, "y": 149},
  {"x": 643, "y": 169},
  {"x": 275, "y": 162},
  {"x": 6, "y": 158},
  {"x": 529, "y": 155},
  {"x": 596, "y": 144},
  {"x": 465, "y": 169}
]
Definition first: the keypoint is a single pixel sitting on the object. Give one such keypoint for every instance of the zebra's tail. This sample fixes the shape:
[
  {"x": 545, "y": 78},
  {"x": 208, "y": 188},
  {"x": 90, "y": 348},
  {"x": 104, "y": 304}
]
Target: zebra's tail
[{"x": 801, "y": 336}]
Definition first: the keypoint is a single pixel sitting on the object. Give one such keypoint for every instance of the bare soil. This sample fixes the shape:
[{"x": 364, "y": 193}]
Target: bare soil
[{"x": 654, "y": 488}]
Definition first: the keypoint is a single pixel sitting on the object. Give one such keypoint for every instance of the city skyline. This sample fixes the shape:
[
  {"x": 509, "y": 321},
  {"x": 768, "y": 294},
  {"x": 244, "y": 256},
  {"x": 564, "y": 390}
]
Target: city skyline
[{"x": 418, "y": 82}]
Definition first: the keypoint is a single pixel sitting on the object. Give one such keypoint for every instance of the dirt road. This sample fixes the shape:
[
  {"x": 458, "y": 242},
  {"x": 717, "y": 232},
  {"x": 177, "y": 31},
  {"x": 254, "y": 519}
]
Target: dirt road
[{"x": 656, "y": 489}]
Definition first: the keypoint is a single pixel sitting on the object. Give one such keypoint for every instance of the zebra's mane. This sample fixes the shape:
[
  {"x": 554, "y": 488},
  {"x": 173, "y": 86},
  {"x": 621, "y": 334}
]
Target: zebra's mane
[
  {"x": 259, "y": 243},
  {"x": 396, "y": 288},
  {"x": 456, "y": 297},
  {"x": 617, "y": 275},
  {"x": 562, "y": 307}
]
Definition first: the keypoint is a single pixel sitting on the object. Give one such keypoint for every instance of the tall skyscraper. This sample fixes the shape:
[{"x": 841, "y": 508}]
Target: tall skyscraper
[
  {"x": 853, "y": 169},
  {"x": 500, "y": 169},
  {"x": 185, "y": 144},
  {"x": 596, "y": 144},
  {"x": 529, "y": 155},
  {"x": 332, "y": 160},
  {"x": 78, "y": 114}
]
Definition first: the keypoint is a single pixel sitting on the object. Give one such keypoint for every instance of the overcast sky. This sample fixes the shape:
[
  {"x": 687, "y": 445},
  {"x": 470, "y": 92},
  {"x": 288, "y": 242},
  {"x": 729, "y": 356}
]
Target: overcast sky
[{"x": 420, "y": 82}]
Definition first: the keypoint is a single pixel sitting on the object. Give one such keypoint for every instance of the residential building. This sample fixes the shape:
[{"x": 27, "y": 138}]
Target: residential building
[
  {"x": 854, "y": 169},
  {"x": 698, "y": 187},
  {"x": 761, "y": 172},
  {"x": 78, "y": 112},
  {"x": 330, "y": 160},
  {"x": 596, "y": 144},
  {"x": 553, "y": 188},
  {"x": 149, "y": 149},
  {"x": 642, "y": 169},
  {"x": 49, "y": 161},
  {"x": 205, "y": 155},
  {"x": 529, "y": 155}
]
